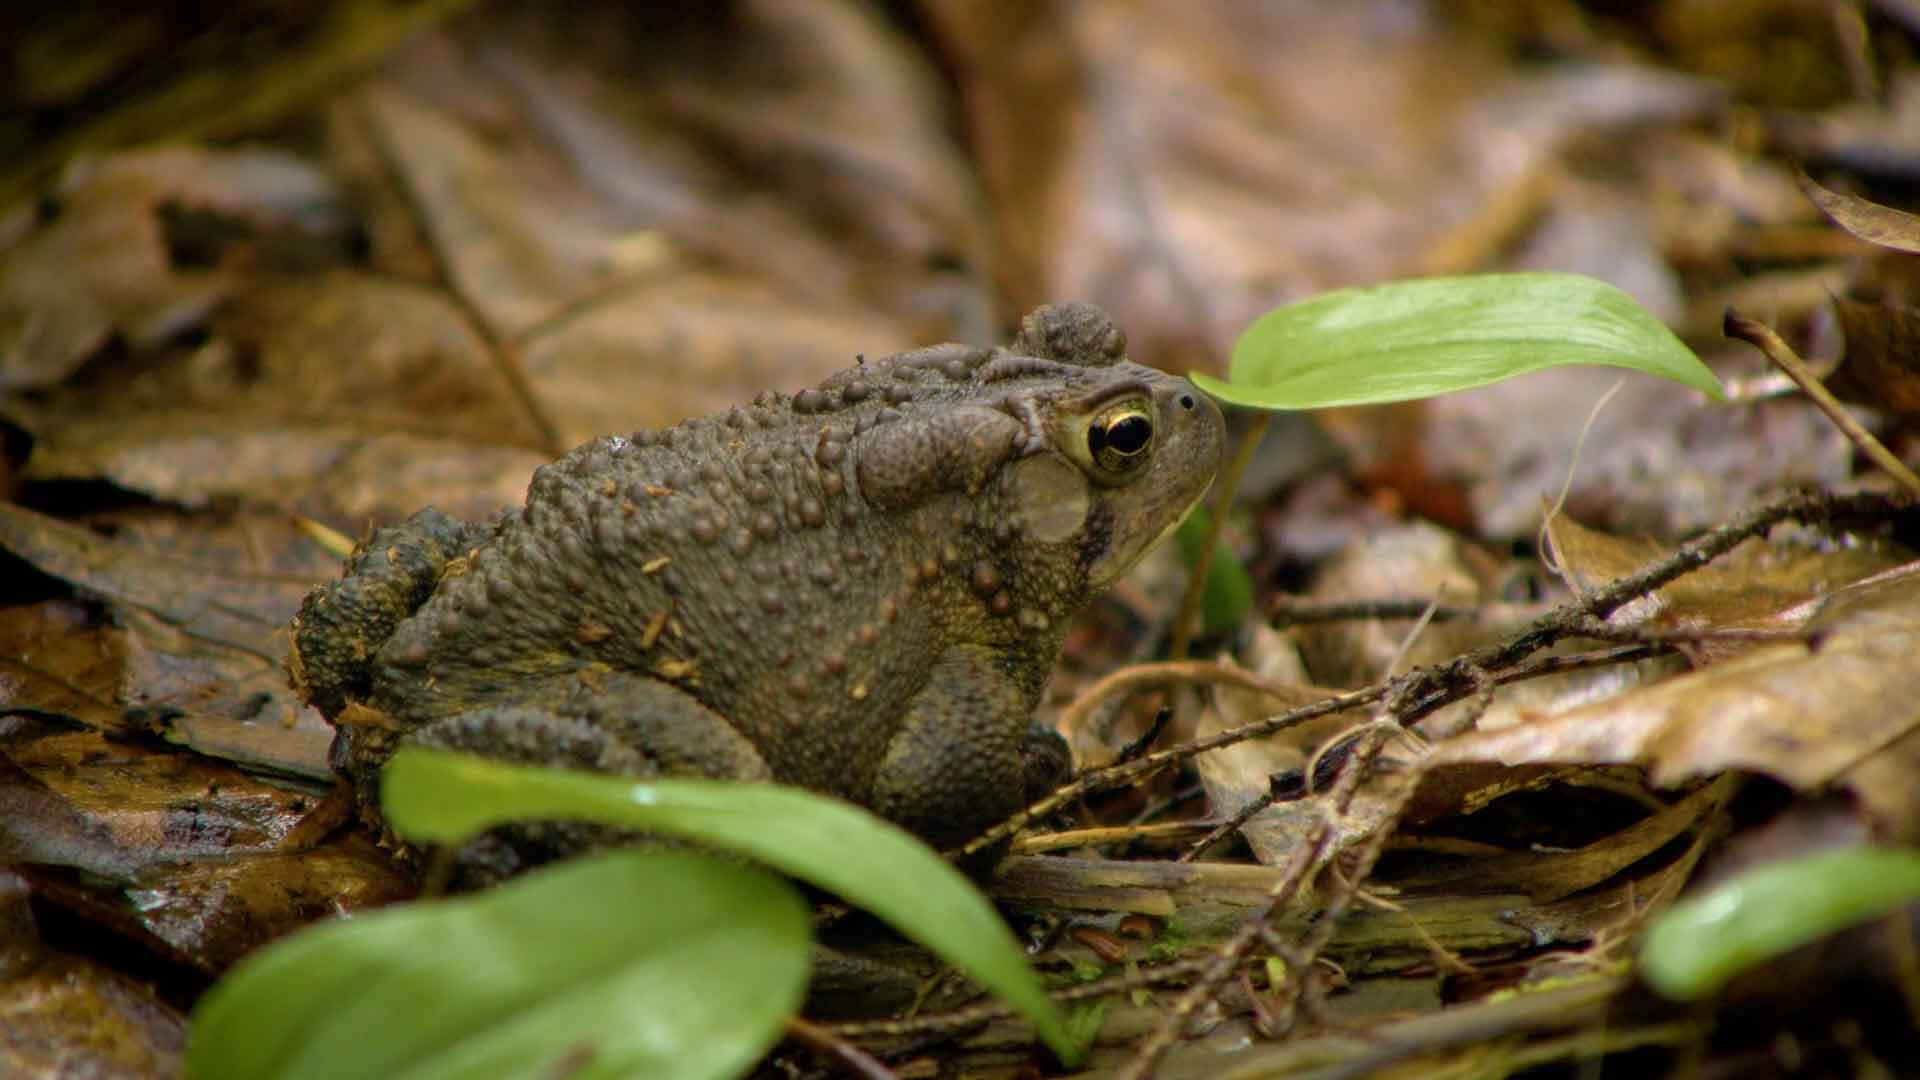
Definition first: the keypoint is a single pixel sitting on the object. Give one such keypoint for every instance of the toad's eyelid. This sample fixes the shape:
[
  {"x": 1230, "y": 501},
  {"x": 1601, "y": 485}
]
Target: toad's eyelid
[{"x": 1111, "y": 392}]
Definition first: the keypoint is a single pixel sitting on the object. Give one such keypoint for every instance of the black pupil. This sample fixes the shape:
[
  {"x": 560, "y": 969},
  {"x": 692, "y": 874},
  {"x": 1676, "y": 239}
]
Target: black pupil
[{"x": 1130, "y": 434}]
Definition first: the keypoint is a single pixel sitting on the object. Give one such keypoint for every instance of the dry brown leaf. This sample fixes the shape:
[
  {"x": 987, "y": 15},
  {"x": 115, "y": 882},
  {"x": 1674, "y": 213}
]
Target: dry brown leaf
[
  {"x": 1510, "y": 445},
  {"x": 1547, "y": 876},
  {"x": 1868, "y": 220},
  {"x": 1415, "y": 560},
  {"x": 385, "y": 479},
  {"x": 1189, "y": 166},
  {"x": 297, "y": 374},
  {"x": 1760, "y": 585},
  {"x": 1809, "y": 715},
  {"x": 690, "y": 344},
  {"x": 1881, "y": 367},
  {"x": 1239, "y": 775},
  {"x": 516, "y": 253},
  {"x": 118, "y": 258},
  {"x": 537, "y": 151}
]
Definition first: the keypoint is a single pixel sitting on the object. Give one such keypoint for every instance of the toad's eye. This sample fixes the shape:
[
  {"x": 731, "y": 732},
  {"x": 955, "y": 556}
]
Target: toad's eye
[{"x": 1118, "y": 438}]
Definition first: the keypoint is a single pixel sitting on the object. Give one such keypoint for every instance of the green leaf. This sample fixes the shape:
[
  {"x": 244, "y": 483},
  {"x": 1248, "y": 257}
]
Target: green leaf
[
  {"x": 1415, "y": 339},
  {"x": 1227, "y": 596},
  {"x": 1698, "y": 944},
  {"x": 582, "y": 969},
  {"x": 434, "y": 796}
]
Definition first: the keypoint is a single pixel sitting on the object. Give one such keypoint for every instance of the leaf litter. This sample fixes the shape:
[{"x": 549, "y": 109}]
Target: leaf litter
[{"x": 511, "y": 236}]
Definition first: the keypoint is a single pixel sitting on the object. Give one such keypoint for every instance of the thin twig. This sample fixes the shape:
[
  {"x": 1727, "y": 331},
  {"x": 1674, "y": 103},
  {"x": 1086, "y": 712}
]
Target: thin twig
[
  {"x": 1601, "y": 630},
  {"x": 1306, "y": 858},
  {"x": 1762, "y": 337},
  {"x": 1287, "y": 612},
  {"x": 1412, "y": 635},
  {"x": 1230, "y": 826},
  {"x": 512, "y": 368},
  {"x": 1145, "y": 675},
  {"x": 825, "y": 1041},
  {"x": 1036, "y": 843},
  {"x": 1144, "y": 743},
  {"x": 1169, "y": 673},
  {"x": 1113, "y": 776},
  {"x": 974, "y": 1015},
  {"x": 1347, "y": 885}
]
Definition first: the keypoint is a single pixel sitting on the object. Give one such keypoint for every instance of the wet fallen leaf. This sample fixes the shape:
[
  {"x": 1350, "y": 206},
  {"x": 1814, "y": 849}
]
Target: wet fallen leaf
[
  {"x": 216, "y": 911},
  {"x": 61, "y": 1015},
  {"x": 137, "y": 808},
  {"x": 180, "y": 854},
  {"x": 204, "y": 610},
  {"x": 60, "y": 659}
]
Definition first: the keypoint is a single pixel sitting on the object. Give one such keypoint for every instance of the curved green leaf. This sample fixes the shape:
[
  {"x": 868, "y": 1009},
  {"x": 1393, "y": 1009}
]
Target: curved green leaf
[
  {"x": 1694, "y": 947},
  {"x": 581, "y": 969},
  {"x": 434, "y": 796},
  {"x": 1415, "y": 339}
]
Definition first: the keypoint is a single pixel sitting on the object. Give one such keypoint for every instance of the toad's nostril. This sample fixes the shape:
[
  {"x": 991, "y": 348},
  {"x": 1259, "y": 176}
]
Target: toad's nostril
[{"x": 1186, "y": 402}]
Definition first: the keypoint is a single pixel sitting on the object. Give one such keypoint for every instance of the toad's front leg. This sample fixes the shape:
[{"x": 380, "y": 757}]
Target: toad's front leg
[{"x": 967, "y": 754}]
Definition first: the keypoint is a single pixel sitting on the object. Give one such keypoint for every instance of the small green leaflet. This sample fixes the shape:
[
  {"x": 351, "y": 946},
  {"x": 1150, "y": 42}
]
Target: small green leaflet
[
  {"x": 432, "y": 796},
  {"x": 1227, "y": 595},
  {"x": 1415, "y": 339},
  {"x": 1698, "y": 944},
  {"x": 582, "y": 969}
]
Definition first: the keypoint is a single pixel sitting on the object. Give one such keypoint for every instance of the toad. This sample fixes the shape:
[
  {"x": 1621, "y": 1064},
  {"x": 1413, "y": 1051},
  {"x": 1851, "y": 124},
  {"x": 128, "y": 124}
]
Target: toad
[{"x": 859, "y": 588}]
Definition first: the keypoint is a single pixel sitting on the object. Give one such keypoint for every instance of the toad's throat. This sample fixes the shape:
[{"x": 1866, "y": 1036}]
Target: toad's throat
[{"x": 1120, "y": 568}]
